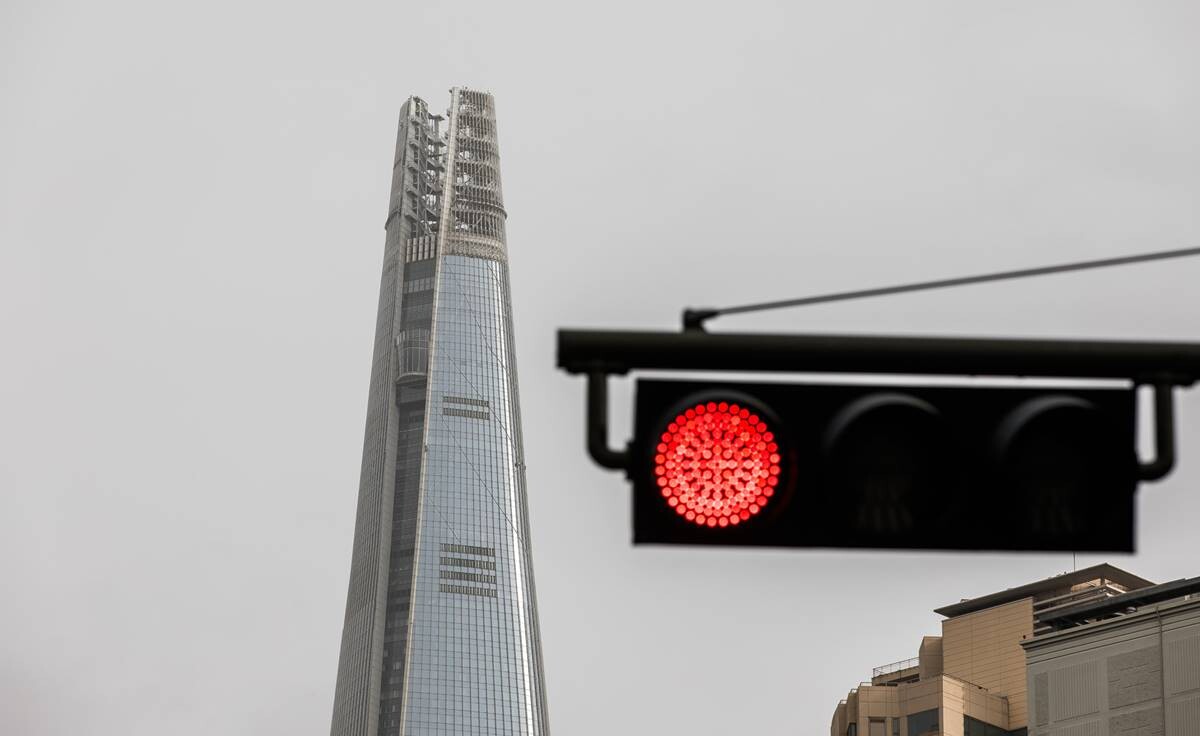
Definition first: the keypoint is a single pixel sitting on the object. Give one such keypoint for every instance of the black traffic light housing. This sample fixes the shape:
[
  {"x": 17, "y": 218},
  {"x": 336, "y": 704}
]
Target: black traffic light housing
[
  {"x": 912, "y": 467},
  {"x": 886, "y": 466}
]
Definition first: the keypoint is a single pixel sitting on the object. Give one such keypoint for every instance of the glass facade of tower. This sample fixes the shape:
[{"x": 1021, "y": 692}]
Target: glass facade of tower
[{"x": 441, "y": 633}]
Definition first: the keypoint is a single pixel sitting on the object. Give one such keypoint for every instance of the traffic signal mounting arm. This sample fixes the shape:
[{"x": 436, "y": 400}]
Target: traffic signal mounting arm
[{"x": 598, "y": 354}]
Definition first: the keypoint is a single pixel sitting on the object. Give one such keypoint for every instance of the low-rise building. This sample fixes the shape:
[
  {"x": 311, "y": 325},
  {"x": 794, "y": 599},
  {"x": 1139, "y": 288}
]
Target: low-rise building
[
  {"x": 971, "y": 680},
  {"x": 1124, "y": 666}
]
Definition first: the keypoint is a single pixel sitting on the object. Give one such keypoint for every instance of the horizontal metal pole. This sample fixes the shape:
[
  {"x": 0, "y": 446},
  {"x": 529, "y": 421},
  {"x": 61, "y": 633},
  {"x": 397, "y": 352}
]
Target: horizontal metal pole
[{"x": 612, "y": 351}]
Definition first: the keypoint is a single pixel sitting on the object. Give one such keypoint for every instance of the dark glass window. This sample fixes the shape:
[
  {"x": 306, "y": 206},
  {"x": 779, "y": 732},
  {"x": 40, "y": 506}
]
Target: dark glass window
[
  {"x": 973, "y": 727},
  {"x": 895, "y": 727},
  {"x": 852, "y": 729},
  {"x": 925, "y": 722}
]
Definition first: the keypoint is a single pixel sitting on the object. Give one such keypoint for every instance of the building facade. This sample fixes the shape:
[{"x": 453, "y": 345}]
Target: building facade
[
  {"x": 441, "y": 631},
  {"x": 971, "y": 680},
  {"x": 1128, "y": 666}
]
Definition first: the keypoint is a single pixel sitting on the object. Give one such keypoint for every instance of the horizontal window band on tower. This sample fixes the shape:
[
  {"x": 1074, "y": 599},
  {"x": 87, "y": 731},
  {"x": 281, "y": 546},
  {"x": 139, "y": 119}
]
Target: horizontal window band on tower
[
  {"x": 466, "y": 413},
  {"x": 467, "y": 549},
  {"x": 482, "y": 412},
  {"x": 466, "y": 590},
  {"x": 471, "y": 577},
  {"x": 448, "y": 399},
  {"x": 464, "y": 562}
]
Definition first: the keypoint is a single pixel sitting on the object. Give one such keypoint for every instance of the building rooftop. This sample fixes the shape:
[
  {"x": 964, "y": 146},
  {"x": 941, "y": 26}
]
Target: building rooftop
[
  {"x": 1122, "y": 604},
  {"x": 1105, "y": 572}
]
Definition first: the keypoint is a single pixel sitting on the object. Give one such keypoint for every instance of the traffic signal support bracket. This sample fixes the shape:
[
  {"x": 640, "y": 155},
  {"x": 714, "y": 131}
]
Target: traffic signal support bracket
[
  {"x": 597, "y": 425},
  {"x": 1164, "y": 435}
]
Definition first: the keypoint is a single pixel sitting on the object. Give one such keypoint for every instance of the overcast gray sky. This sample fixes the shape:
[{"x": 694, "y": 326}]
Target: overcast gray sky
[{"x": 191, "y": 207}]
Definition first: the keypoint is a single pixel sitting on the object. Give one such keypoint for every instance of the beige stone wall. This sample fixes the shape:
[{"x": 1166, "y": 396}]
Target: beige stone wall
[
  {"x": 984, "y": 648},
  {"x": 952, "y": 708},
  {"x": 918, "y": 696},
  {"x": 984, "y": 706},
  {"x": 961, "y": 698},
  {"x": 861, "y": 706},
  {"x": 930, "y": 655},
  {"x": 877, "y": 702},
  {"x": 837, "y": 727}
]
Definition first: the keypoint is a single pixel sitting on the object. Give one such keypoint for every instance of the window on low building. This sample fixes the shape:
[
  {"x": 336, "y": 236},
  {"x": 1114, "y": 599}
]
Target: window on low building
[
  {"x": 925, "y": 722},
  {"x": 975, "y": 727}
]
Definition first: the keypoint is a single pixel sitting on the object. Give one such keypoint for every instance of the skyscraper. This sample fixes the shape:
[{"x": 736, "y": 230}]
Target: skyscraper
[{"x": 441, "y": 633}]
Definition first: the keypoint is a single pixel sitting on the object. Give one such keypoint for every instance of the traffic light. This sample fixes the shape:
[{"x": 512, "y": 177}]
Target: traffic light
[
  {"x": 882, "y": 466},
  {"x": 903, "y": 467}
]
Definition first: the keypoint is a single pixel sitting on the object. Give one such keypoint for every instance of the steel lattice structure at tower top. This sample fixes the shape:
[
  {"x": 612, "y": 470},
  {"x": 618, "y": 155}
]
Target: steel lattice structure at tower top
[{"x": 441, "y": 633}]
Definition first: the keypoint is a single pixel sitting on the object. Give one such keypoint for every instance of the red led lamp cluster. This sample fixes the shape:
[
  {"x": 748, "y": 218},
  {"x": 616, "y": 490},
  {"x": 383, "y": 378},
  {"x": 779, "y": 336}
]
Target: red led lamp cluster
[{"x": 717, "y": 464}]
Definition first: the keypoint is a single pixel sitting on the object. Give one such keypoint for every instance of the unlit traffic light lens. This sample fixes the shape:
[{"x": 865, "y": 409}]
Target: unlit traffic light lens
[
  {"x": 888, "y": 457},
  {"x": 1066, "y": 465},
  {"x": 717, "y": 464}
]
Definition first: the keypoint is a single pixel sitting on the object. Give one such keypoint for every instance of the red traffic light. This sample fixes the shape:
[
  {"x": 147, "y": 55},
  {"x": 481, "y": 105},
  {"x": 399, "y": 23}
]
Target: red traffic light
[
  {"x": 912, "y": 467},
  {"x": 841, "y": 465},
  {"x": 717, "y": 464}
]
